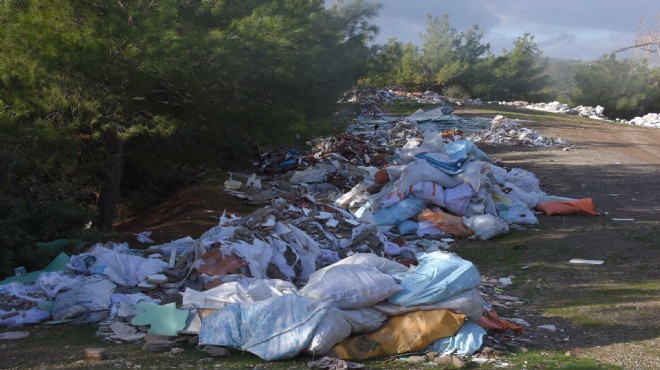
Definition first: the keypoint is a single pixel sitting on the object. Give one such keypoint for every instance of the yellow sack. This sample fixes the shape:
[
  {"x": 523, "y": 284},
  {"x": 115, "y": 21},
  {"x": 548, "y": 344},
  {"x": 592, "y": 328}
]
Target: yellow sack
[{"x": 400, "y": 334}]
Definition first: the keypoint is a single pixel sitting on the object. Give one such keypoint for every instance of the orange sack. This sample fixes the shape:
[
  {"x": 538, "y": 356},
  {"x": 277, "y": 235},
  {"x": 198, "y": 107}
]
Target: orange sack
[
  {"x": 568, "y": 207},
  {"x": 448, "y": 223}
]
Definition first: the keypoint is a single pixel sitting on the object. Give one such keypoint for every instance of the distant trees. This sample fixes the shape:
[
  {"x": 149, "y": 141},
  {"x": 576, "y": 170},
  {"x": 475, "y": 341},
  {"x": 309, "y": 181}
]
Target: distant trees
[
  {"x": 460, "y": 65},
  {"x": 624, "y": 87},
  {"x": 96, "y": 96}
]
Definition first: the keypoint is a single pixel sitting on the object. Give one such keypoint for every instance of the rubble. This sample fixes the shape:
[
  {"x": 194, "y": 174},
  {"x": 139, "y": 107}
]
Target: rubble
[{"x": 350, "y": 239}]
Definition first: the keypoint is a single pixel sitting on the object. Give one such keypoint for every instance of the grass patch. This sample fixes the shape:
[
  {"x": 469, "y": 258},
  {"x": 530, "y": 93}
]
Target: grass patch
[
  {"x": 553, "y": 360},
  {"x": 587, "y": 302},
  {"x": 406, "y": 108}
]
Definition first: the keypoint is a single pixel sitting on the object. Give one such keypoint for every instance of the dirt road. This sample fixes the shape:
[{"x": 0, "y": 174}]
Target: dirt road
[{"x": 608, "y": 312}]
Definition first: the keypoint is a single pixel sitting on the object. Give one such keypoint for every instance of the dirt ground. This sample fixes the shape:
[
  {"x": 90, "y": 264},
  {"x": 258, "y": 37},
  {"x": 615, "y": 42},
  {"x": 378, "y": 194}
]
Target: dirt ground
[
  {"x": 608, "y": 312},
  {"x": 605, "y": 312}
]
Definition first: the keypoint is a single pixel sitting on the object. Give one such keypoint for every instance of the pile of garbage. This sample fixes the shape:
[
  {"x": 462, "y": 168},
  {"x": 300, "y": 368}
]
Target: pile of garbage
[
  {"x": 504, "y": 131},
  {"x": 351, "y": 248},
  {"x": 557, "y": 107},
  {"x": 649, "y": 120}
]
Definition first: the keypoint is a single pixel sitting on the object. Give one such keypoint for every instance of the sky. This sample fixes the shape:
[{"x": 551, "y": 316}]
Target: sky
[{"x": 568, "y": 29}]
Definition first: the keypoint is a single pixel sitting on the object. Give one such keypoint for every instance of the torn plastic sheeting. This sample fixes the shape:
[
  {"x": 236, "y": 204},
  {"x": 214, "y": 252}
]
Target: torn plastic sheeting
[
  {"x": 306, "y": 250},
  {"x": 237, "y": 292},
  {"x": 275, "y": 329},
  {"x": 258, "y": 255},
  {"x": 180, "y": 246},
  {"x": 468, "y": 340},
  {"x": 123, "y": 269},
  {"x": 438, "y": 276},
  {"x": 20, "y": 318},
  {"x": 217, "y": 234},
  {"x": 310, "y": 175}
]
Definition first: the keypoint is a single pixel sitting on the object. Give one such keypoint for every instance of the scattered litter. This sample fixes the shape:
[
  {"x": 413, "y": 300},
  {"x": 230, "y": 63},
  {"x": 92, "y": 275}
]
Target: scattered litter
[
  {"x": 623, "y": 219},
  {"x": 549, "y": 327},
  {"x": 13, "y": 335},
  {"x": 586, "y": 262}
]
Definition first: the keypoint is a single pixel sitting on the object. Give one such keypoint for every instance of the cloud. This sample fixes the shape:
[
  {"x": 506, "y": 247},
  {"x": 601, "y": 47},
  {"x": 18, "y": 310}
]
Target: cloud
[{"x": 576, "y": 29}]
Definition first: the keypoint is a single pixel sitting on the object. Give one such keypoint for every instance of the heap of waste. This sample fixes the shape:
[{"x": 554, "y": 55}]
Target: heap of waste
[{"x": 318, "y": 269}]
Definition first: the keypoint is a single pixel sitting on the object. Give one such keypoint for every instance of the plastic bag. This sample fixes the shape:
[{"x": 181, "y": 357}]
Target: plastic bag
[
  {"x": 485, "y": 226},
  {"x": 399, "y": 212},
  {"x": 275, "y": 329},
  {"x": 420, "y": 171},
  {"x": 438, "y": 276},
  {"x": 583, "y": 206},
  {"x": 401, "y": 334},
  {"x": 448, "y": 223},
  {"x": 123, "y": 269},
  {"x": 458, "y": 198},
  {"x": 468, "y": 339},
  {"x": 338, "y": 325},
  {"x": 382, "y": 264}
]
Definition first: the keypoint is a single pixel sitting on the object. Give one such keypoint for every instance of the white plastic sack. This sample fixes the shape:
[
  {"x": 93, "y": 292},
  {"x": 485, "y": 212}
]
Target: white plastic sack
[
  {"x": 458, "y": 198},
  {"x": 512, "y": 211},
  {"x": 400, "y": 211},
  {"x": 523, "y": 179},
  {"x": 420, "y": 171},
  {"x": 485, "y": 226},
  {"x": 473, "y": 174},
  {"x": 92, "y": 295},
  {"x": 430, "y": 192},
  {"x": 438, "y": 276},
  {"x": 333, "y": 329},
  {"x": 383, "y": 264},
  {"x": 237, "y": 292},
  {"x": 31, "y": 316},
  {"x": 338, "y": 325},
  {"x": 123, "y": 269},
  {"x": 275, "y": 329},
  {"x": 350, "y": 286}
]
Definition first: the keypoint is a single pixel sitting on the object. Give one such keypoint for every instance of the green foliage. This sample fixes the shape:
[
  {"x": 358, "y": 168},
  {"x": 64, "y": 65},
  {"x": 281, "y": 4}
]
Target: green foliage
[
  {"x": 521, "y": 72},
  {"x": 625, "y": 88},
  {"x": 114, "y": 90}
]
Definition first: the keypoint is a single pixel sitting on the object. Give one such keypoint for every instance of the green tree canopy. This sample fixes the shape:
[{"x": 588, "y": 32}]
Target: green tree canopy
[{"x": 624, "y": 88}]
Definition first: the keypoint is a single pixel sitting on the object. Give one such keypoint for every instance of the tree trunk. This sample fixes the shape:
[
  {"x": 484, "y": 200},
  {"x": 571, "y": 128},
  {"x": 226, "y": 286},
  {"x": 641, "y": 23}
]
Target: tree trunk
[{"x": 109, "y": 196}]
